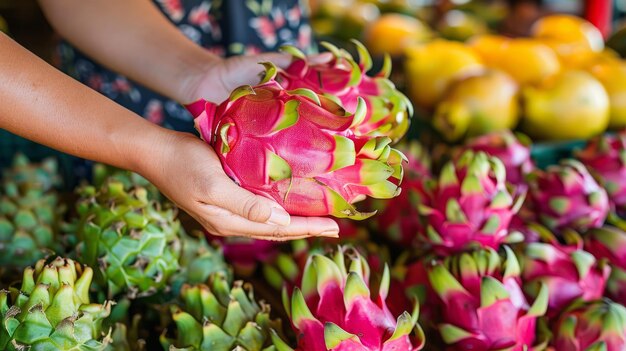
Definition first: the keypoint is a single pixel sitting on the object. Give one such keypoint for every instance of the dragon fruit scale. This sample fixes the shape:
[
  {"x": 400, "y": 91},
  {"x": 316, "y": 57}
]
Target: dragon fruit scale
[
  {"x": 296, "y": 147},
  {"x": 482, "y": 303},
  {"x": 513, "y": 150},
  {"x": 567, "y": 196},
  {"x": 610, "y": 244},
  {"x": 470, "y": 205},
  {"x": 569, "y": 272},
  {"x": 593, "y": 326},
  {"x": 605, "y": 156},
  {"x": 334, "y": 309},
  {"x": 388, "y": 110}
]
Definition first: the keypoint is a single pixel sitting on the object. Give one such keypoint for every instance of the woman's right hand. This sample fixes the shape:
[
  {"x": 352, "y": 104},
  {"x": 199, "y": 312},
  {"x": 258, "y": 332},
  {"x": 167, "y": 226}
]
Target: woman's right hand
[{"x": 189, "y": 172}]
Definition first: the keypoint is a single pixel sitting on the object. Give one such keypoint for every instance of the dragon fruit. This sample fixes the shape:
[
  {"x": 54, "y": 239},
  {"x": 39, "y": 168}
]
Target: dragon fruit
[
  {"x": 334, "y": 309},
  {"x": 388, "y": 110},
  {"x": 399, "y": 220},
  {"x": 605, "y": 156},
  {"x": 296, "y": 147},
  {"x": 512, "y": 150},
  {"x": 483, "y": 306},
  {"x": 567, "y": 196},
  {"x": 610, "y": 243},
  {"x": 568, "y": 271},
  {"x": 470, "y": 205},
  {"x": 245, "y": 253},
  {"x": 593, "y": 326}
]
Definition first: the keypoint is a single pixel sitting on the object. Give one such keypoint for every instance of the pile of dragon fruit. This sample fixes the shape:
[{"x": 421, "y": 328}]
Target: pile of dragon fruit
[
  {"x": 476, "y": 250},
  {"x": 494, "y": 253}
]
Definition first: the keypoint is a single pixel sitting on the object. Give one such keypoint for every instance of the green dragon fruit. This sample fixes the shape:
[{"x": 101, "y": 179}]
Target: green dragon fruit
[
  {"x": 296, "y": 147},
  {"x": 103, "y": 173},
  {"x": 569, "y": 272},
  {"x": 482, "y": 303},
  {"x": 388, "y": 110},
  {"x": 334, "y": 309},
  {"x": 52, "y": 311},
  {"x": 513, "y": 150},
  {"x": 30, "y": 212},
  {"x": 605, "y": 156},
  {"x": 592, "y": 326},
  {"x": 399, "y": 220},
  {"x": 567, "y": 196},
  {"x": 610, "y": 243},
  {"x": 469, "y": 205},
  {"x": 219, "y": 316},
  {"x": 132, "y": 243}
]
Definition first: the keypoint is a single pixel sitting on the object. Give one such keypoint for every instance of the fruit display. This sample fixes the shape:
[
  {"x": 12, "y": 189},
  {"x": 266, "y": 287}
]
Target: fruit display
[{"x": 453, "y": 234}]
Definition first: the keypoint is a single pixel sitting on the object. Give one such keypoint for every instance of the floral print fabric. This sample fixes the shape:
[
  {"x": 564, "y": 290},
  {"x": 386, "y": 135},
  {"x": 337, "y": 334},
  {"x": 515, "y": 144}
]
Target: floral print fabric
[{"x": 224, "y": 27}]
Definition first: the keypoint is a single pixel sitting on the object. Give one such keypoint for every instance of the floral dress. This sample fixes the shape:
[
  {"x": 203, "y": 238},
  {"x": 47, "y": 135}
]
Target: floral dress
[{"x": 224, "y": 27}]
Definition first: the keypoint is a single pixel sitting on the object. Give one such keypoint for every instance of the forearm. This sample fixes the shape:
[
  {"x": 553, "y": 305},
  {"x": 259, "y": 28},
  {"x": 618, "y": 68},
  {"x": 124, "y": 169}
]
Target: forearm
[
  {"x": 134, "y": 39},
  {"x": 42, "y": 104}
]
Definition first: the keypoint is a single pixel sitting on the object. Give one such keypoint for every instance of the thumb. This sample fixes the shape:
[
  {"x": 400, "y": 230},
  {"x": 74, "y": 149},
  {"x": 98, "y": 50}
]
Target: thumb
[{"x": 242, "y": 202}]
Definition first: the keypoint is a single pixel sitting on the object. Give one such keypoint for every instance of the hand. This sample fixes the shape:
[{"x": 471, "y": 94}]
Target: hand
[
  {"x": 189, "y": 172},
  {"x": 222, "y": 76}
]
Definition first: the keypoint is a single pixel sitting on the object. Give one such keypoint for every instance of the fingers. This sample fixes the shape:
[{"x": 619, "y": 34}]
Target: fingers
[
  {"x": 220, "y": 222},
  {"x": 279, "y": 59},
  {"x": 320, "y": 58},
  {"x": 241, "y": 202}
]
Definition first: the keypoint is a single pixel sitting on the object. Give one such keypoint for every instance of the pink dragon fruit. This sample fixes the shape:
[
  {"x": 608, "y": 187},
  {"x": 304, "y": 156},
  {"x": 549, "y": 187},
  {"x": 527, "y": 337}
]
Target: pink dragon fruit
[
  {"x": 470, "y": 205},
  {"x": 295, "y": 147},
  {"x": 388, "y": 110},
  {"x": 610, "y": 243},
  {"x": 592, "y": 326},
  {"x": 483, "y": 306},
  {"x": 605, "y": 156},
  {"x": 567, "y": 196},
  {"x": 399, "y": 220},
  {"x": 409, "y": 279},
  {"x": 569, "y": 272},
  {"x": 512, "y": 150},
  {"x": 335, "y": 310}
]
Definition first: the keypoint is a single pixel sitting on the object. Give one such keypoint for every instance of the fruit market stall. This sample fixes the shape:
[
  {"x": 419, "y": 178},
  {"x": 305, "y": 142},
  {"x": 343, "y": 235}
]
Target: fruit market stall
[{"x": 473, "y": 154}]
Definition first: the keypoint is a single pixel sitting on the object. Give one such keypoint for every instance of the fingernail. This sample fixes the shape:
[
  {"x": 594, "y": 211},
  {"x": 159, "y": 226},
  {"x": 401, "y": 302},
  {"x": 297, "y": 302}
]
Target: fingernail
[
  {"x": 330, "y": 233},
  {"x": 279, "y": 217}
]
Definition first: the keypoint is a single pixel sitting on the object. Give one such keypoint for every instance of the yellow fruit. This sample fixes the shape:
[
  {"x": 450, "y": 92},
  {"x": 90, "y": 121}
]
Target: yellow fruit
[
  {"x": 393, "y": 33},
  {"x": 574, "y": 39},
  {"x": 612, "y": 75},
  {"x": 528, "y": 61},
  {"x": 430, "y": 68},
  {"x": 489, "y": 47},
  {"x": 573, "y": 105},
  {"x": 478, "y": 105}
]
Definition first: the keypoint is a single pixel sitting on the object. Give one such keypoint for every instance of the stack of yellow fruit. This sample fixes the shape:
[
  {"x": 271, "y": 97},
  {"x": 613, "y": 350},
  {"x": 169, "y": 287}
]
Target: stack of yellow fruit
[{"x": 559, "y": 84}]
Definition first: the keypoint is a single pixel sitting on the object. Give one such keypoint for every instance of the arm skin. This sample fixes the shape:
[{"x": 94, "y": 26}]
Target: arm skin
[
  {"x": 134, "y": 38},
  {"x": 42, "y": 104}
]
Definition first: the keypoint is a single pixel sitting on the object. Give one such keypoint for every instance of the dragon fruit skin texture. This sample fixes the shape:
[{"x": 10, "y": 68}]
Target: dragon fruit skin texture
[
  {"x": 482, "y": 303},
  {"x": 567, "y": 196},
  {"x": 569, "y": 272},
  {"x": 469, "y": 205},
  {"x": 512, "y": 150},
  {"x": 388, "y": 110},
  {"x": 333, "y": 308},
  {"x": 605, "y": 156},
  {"x": 598, "y": 325},
  {"x": 610, "y": 243},
  {"x": 296, "y": 147}
]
